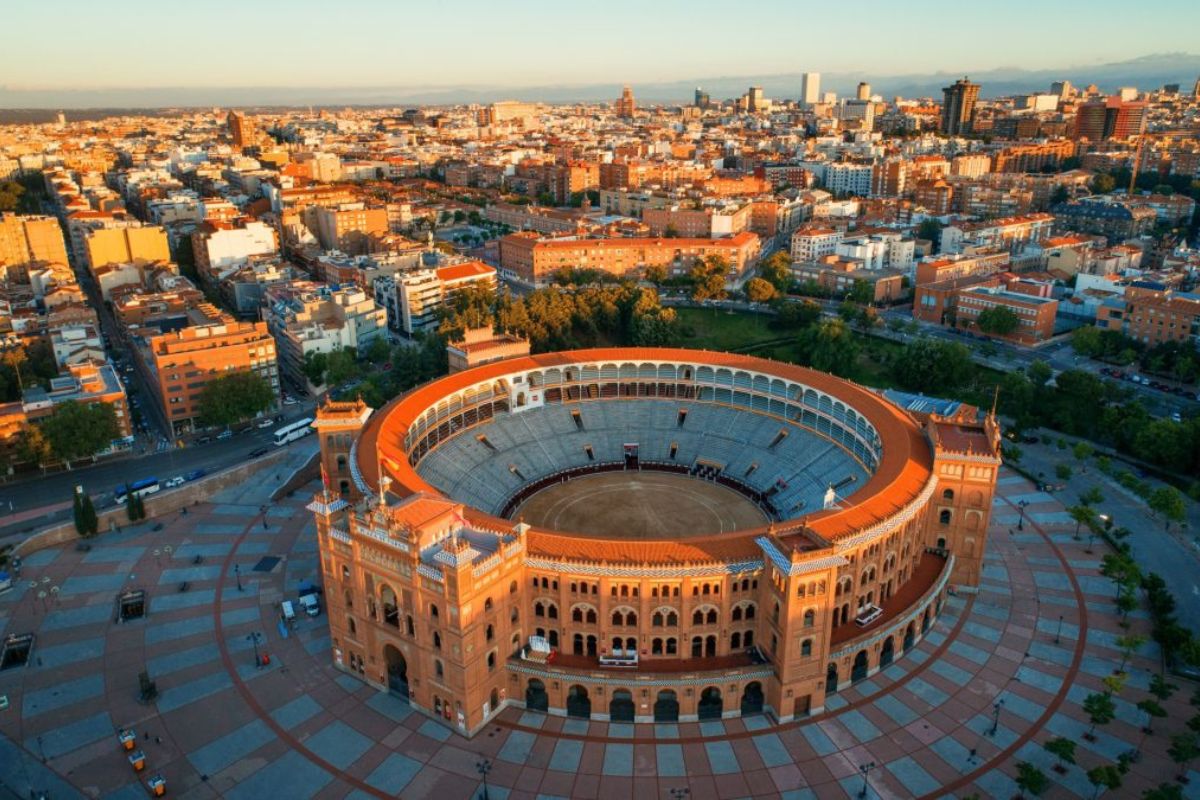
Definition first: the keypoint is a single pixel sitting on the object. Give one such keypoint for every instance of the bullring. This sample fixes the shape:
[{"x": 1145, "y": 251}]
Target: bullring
[{"x": 866, "y": 509}]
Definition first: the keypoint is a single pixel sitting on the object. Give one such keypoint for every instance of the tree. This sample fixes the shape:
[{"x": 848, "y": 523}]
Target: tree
[
  {"x": 1092, "y": 497},
  {"x": 1083, "y": 515},
  {"x": 1063, "y": 472},
  {"x": 1129, "y": 645},
  {"x": 77, "y": 430},
  {"x": 1059, "y": 195},
  {"x": 1164, "y": 791},
  {"x": 379, "y": 351},
  {"x": 1183, "y": 750},
  {"x": 1103, "y": 183},
  {"x": 86, "y": 521},
  {"x": 1105, "y": 776},
  {"x": 829, "y": 346},
  {"x": 314, "y": 366},
  {"x": 1161, "y": 688},
  {"x": 1031, "y": 779},
  {"x": 656, "y": 274},
  {"x": 234, "y": 397},
  {"x": 1153, "y": 710},
  {"x": 759, "y": 290},
  {"x": 931, "y": 230},
  {"x": 792, "y": 315},
  {"x": 342, "y": 366},
  {"x": 10, "y": 195},
  {"x": 1083, "y": 451},
  {"x": 777, "y": 270},
  {"x": 1062, "y": 749},
  {"x": 929, "y": 365},
  {"x": 1168, "y": 501},
  {"x": 708, "y": 278},
  {"x": 13, "y": 359},
  {"x": 1101, "y": 709},
  {"x": 998, "y": 321},
  {"x": 32, "y": 447}
]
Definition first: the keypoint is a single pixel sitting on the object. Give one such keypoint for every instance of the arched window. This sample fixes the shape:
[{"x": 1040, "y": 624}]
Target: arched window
[
  {"x": 350, "y": 623},
  {"x": 697, "y": 617},
  {"x": 657, "y": 619},
  {"x": 672, "y": 619},
  {"x": 748, "y": 639},
  {"x": 810, "y": 618},
  {"x": 433, "y": 611},
  {"x": 491, "y": 661},
  {"x": 617, "y": 617},
  {"x": 656, "y": 647},
  {"x": 631, "y": 618},
  {"x": 408, "y": 620},
  {"x": 750, "y": 611},
  {"x": 944, "y": 516},
  {"x": 737, "y": 614},
  {"x": 552, "y": 611},
  {"x": 438, "y": 668},
  {"x": 490, "y": 633},
  {"x": 735, "y": 641},
  {"x": 576, "y": 614},
  {"x": 948, "y": 494},
  {"x": 590, "y": 617},
  {"x": 512, "y": 588},
  {"x": 538, "y": 609},
  {"x": 806, "y": 647},
  {"x": 775, "y": 613},
  {"x": 514, "y": 616},
  {"x": 487, "y": 604},
  {"x": 437, "y": 641},
  {"x": 711, "y": 617}
]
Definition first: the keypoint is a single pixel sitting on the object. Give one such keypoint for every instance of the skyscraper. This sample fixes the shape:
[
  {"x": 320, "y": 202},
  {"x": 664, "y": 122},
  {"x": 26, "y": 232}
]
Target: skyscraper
[
  {"x": 241, "y": 130},
  {"x": 864, "y": 91},
  {"x": 810, "y": 88},
  {"x": 701, "y": 98},
  {"x": 754, "y": 99},
  {"x": 625, "y": 104},
  {"x": 958, "y": 104}
]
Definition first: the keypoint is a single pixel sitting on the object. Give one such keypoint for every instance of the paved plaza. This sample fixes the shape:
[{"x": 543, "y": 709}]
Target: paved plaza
[{"x": 1039, "y": 636}]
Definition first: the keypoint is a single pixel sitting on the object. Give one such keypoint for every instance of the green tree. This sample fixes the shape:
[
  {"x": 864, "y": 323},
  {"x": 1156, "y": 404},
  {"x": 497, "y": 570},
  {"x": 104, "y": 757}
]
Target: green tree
[
  {"x": 32, "y": 447},
  {"x": 929, "y": 365},
  {"x": 708, "y": 278},
  {"x": 1092, "y": 497},
  {"x": 1031, "y": 780},
  {"x": 314, "y": 367},
  {"x": 379, "y": 351},
  {"x": 1063, "y": 749},
  {"x": 776, "y": 269},
  {"x": 861, "y": 292},
  {"x": 1129, "y": 645},
  {"x": 1183, "y": 750},
  {"x": 1063, "y": 471},
  {"x": 1100, "y": 708},
  {"x": 829, "y": 346},
  {"x": 1161, "y": 688},
  {"x": 1168, "y": 501},
  {"x": 234, "y": 397},
  {"x": 931, "y": 230},
  {"x": 10, "y": 195},
  {"x": 759, "y": 290},
  {"x": 1083, "y": 451},
  {"x": 1153, "y": 710},
  {"x": 91, "y": 523},
  {"x": 1164, "y": 791},
  {"x": 1103, "y": 183},
  {"x": 998, "y": 321},
  {"x": 656, "y": 274},
  {"x": 792, "y": 315},
  {"x": 80, "y": 430},
  {"x": 342, "y": 366},
  {"x": 1104, "y": 776},
  {"x": 1086, "y": 341}
]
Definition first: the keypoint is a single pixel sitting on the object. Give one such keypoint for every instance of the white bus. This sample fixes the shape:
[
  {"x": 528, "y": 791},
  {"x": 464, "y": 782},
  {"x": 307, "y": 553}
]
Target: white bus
[
  {"x": 139, "y": 488},
  {"x": 290, "y": 433}
]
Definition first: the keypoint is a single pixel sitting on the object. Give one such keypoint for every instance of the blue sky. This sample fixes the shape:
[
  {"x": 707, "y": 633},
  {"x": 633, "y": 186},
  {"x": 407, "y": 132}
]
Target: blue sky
[{"x": 220, "y": 43}]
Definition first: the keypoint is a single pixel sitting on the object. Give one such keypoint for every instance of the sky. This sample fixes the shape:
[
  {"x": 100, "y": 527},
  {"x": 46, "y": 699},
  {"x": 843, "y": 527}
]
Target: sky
[{"x": 87, "y": 44}]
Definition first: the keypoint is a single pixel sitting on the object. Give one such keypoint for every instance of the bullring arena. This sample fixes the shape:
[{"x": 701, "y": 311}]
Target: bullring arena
[{"x": 643, "y": 535}]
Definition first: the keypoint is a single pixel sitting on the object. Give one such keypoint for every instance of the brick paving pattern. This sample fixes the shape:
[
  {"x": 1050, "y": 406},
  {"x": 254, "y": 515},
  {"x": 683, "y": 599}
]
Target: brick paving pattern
[{"x": 298, "y": 729}]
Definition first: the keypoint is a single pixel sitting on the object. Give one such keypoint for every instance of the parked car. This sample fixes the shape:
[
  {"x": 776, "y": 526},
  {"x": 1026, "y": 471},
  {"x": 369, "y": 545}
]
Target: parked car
[
  {"x": 265, "y": 422},
  {"x": 290, "y": 401},
  {"x": 259, "y": 451},
  {"x": 173, "y": 482},
  {"x": 204, "y": 440},
  {"x": 225, "y": 434},
  {"x": 195, "y": 474}
]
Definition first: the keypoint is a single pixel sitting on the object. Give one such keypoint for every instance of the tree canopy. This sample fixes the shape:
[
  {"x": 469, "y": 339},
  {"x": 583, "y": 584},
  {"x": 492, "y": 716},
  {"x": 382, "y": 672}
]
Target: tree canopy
[
  {"x": 998, "y": 321},
  {"x": 79, "y": 430},
  {"x": 235, "y": 397}
]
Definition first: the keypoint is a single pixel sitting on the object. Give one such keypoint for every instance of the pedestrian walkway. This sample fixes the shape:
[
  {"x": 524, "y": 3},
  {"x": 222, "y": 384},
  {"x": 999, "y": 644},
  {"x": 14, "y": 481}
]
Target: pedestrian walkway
[{"x": 996, "y": 676}]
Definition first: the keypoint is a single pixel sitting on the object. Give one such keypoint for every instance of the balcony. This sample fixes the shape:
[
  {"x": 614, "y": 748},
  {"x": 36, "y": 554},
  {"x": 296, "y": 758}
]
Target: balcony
[{"x": 929, "y": 577}]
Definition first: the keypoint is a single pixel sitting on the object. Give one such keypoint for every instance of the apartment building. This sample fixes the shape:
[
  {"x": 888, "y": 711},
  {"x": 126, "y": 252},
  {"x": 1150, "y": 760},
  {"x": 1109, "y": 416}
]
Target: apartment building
[
  {"x": 305, "y": 318},
  {"x": 1105, "y": 215},
  {"x": 413, "y": 301},
  {"x": 534, "y": 260},
  {"x": 25, "y": 239},
  {"x": 533, "y": 218},
  {"x": 123, "y": 245},
  {"x": 350, "y": 227},
  {"x": 180, "y": 363},
  {"x": 1035, "y": 314},
  {"x": 709, "y": 222},
  {"x": 219, "y": 246},
  {"x": 1008, "y": 233},
  {"x": 811, "y": 243},
  {"x": 88, "y": 382},
  {"x": 1153, "y": 314}
]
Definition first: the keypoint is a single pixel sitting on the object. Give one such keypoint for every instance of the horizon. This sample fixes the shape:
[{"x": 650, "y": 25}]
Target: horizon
[{"x": 451, "y": 49}]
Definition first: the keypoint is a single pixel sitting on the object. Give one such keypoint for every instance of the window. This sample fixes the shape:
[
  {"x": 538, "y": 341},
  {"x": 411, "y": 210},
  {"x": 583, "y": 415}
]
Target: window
[
  {"x": 491, "y": 661},
  {"x": 810, "y": 617},
  {"x": 437, "y": 641},
  {"x": 487, "y": 604},
  {"x": 490, "y": 633},
  {"x": 806, "y": 647},
  {"x": 433, "y": 611},
  {"x": 438, "y": 668},
  {"x": 944, "y": 516}
]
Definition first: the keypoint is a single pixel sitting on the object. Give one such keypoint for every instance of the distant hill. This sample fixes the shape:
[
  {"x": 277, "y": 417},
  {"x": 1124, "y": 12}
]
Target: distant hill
[{"x": 1146, "y": 72}]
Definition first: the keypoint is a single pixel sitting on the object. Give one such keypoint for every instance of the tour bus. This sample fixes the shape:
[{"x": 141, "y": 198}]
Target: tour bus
[
  {"x": 290, "y": 433},
  {"x": 140, "y": 489}
]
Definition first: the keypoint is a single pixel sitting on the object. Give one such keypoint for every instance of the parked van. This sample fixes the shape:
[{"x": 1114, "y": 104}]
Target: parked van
[
  {"x": 289, "y": 613},
  {"x": 311, "y": 605}
]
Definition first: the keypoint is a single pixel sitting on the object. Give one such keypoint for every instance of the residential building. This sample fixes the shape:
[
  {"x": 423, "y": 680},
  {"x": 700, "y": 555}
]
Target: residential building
[
  {"x": 534, "y": 260},
  {"x": 958, "y": 107},
  {"x": 350, "y": 227},
  {"x": 180, "y": 363},
  {"x": 126, "y": 245},
  {"x": 626, "y": 106},
  {"x": 27, "y": 238},
  {"x": 812, "y": 243},
  {"x": 810, "y": 89},
  {"x": 1105, "y": 215},
  {"x": 1153, "y": 314},
  {"x": 1007, "y": 233},
  {"x": 839, "y": 275},
  {"x": 241, "y": 130},
  {"x": 312, "y": 318},
  {"x": 843, "y": 178},
  {"x": 1111, "y": 118},
  {"x": 413, "y": 301},
  {"x": 220, "y": 246},
  {"x": 86, "y": 382}
]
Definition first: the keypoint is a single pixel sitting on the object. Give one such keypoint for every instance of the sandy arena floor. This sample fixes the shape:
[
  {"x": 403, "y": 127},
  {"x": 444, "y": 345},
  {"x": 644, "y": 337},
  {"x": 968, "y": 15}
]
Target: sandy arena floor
[{"x": 640, "y": 505}]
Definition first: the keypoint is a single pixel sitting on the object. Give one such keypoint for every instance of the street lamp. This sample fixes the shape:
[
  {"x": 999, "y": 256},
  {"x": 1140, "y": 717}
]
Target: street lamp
[
  {"x": 237, "y": 573},
  {"x": 1021, "y": 519},
  {"x": 1058, "y": 633},
  {"x": 865, "y": 770},
  {"x": 483, "y": 767},
  {"x": 254, "y": 638},
  {"x": 996, "y": 716}
]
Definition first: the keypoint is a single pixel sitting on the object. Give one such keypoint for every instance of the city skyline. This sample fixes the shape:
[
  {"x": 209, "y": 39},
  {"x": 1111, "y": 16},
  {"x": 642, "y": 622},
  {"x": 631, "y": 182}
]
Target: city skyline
[{"x": 279, "y": 50}]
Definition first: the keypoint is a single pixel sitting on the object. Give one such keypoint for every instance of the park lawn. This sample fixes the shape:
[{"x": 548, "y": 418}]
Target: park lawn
[{"x": 718, "y": 329}]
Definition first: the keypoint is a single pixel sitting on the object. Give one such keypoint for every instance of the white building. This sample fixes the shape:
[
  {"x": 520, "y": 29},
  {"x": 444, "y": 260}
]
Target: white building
[
  {"x": 319, "y": 320},
  {"x": 845, "y": 178},
  {"x": 231, "y": 247},
  {"x": 413, "y": 300},
  {"x": 810, "y": 89},
  {"x": 812, "y": 244}
]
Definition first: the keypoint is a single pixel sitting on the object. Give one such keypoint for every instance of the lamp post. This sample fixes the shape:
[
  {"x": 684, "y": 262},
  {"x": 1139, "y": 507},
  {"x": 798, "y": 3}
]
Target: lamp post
[
  {"x": 1021, "y": 519},
  {"x": 996, "y": 717},
  {"x": 254, "y": 638},
  {"x": 1058, "y": 633},
  {"x": 865, "y": 770},
  {"x": 483, "y": 767},
  {"x": 237, "y": 573}
]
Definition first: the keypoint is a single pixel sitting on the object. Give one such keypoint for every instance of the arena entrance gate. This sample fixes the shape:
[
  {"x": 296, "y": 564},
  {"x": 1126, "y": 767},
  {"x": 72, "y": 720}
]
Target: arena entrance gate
[
  {"x": 620, "y": 708},
  {"x": 710, "y": 706},
  {"x": 397, "y": 671},
  {"x": 666, "y": 707},
  {"x": 752, "y": 699},
  {"x": 631, "y": 455},
  {"x": 536, "y": 698}
]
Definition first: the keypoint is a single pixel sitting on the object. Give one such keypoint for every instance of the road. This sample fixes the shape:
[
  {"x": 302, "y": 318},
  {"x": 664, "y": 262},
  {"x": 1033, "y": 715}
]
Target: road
[
  {"x": 1174, "y": 556},
  {"x": 100, "y": 479}
]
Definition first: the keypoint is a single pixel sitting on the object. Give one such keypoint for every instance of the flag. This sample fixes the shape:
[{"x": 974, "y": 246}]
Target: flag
[{"x": 324, "y": 477}]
